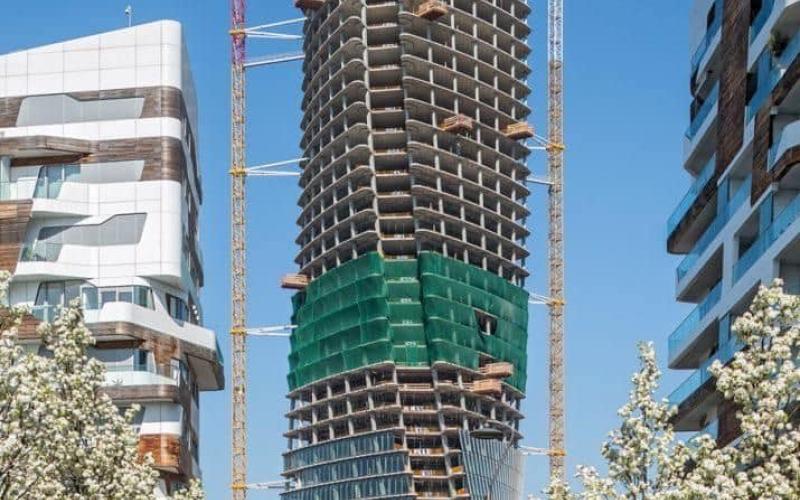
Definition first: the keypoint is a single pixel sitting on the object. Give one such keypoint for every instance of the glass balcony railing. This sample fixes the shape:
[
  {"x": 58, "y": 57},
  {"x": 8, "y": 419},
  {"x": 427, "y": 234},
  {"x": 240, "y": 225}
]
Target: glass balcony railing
[
  {"x": 701, "y": 376},
  {"x": 689, "y": 198},
  {"x": 705, "y": 109},
  {"x": 41, "y": 251},
  {"x": 761, "y": 18},
  {"x": 711, "y": 430},
  {"x": 714, "y": 229},
  {"x": 139, "y": 374},
  {"x": 705, "y": 43},
  {"x": 687, "y": 330},
  {"x": 778, "y": 226},
  {"x": 770, "y": 70},
  {"x": 5, "y": 191},
  {"x": 45, "y": 313}
]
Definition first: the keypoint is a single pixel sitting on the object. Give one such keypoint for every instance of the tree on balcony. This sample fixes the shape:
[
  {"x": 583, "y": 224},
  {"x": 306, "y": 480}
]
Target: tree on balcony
[
  {"x": 646, "y": 461},
  {"x": 60, "y": 436}
]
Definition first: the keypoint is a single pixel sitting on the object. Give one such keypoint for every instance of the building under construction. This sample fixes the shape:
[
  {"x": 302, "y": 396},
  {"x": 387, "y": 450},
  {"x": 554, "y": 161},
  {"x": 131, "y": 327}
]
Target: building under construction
[{"x": 408, "y": 357}]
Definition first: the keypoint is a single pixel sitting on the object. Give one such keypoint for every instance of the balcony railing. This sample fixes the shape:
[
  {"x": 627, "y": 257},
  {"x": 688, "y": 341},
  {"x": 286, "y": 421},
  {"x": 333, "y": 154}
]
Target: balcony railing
[
  {"x": 761, "y": 18},
  {"x": 705, "y": 109},
  {"x": 687, "y": 330},
  {"x": 770, "y": 71},
  {"x": 705, "y": 43},
  {"x": 714, "y": 229},
  {"x": 779, "y": 225},
  {"x": 711, "y": 430},
  {"x": 40, "y": 251},
  {"x": 689, "y": 198},
  {"x": 789, "y": 137},
  {"x": 701, "y": 376},
  {"x": 138, "y": 374}
]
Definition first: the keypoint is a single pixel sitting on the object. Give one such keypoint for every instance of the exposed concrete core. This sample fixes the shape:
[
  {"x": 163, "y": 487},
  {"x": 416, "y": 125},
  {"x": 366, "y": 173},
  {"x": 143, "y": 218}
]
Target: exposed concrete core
[
  {"x": 414, "y": 114},
  {"x": 411, "y": 125}
]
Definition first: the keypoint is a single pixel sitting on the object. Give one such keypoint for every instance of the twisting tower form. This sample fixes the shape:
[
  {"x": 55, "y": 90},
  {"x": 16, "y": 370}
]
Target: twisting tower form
[{"x": 408, "y": 360}]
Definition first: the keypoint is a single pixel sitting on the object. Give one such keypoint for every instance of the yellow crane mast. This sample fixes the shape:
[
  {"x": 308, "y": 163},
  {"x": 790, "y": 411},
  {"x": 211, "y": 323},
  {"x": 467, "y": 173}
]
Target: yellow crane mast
[{"x": 555, "y": 150}]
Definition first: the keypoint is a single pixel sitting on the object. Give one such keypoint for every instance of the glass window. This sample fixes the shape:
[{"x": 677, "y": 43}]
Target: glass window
[
  {"x": 72, "y": 291},
  {"x": 108, "y": 295},
  {"x": 55, "y": 294},
  {"x": 125, "y": 295},
  {"x": 89, "y": 297},
  {"x": 143, "y": 296}
]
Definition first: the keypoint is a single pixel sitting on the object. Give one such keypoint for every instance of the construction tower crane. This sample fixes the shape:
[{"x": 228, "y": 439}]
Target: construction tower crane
[
  {"x": 239, "y": 171},
  {"x": 555, "y": 150}
]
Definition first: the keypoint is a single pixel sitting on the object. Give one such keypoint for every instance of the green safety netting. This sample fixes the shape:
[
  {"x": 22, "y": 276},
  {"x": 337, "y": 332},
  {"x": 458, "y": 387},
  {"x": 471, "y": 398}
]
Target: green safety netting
[{"x": 409, "y": 312}]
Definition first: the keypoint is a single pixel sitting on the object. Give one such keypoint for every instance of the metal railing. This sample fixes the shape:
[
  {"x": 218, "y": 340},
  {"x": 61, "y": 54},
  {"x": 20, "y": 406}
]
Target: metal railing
[
  {"x": 687, "y": 330},
  {"x": 778, "y": 226},
  {"x": 689, "y": 198}
]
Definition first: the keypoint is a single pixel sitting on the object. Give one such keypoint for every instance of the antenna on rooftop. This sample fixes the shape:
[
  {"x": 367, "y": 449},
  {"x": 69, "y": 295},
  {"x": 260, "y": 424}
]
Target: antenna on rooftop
[{"x": 129, "y": 14}]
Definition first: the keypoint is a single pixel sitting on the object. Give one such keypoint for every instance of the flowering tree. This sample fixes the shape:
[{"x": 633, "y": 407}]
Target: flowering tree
[
  {"x": 645, "y": 461},
  {"x": 60, "y": 436},
  {"x": 763, "y": 381}
]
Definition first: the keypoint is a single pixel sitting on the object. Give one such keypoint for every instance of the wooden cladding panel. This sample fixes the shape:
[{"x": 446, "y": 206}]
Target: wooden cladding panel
[
  {"x": 733, "y": 81},
  {"x": 163, "y": 157},
  {"x": 14, "y": 219},
  {"x": 165, "y": 450},
  {"x": 761, "y": 144},
  {"x": 158, "y": 102}
]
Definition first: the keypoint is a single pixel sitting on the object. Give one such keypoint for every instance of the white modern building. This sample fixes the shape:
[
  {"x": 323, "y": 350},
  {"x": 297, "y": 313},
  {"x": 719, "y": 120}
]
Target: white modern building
[
  {"x": 739, "y": 222},
  {"x": 100, "y": 194}
]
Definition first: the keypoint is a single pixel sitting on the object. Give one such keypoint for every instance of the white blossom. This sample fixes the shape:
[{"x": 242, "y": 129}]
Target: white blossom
[{"x": 646, "y": 461}]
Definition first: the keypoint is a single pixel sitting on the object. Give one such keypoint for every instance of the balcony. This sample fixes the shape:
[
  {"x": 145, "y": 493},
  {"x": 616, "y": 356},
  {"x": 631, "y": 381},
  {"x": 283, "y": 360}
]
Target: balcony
[
  {"x": 761, "y": 18},
  {"x": 705, "y": 43},
  {"x": 711, "y": 430},
  {"x": 137, "y": 374},
  {"x": 689, "y": 262},
  {"x": 702, "y": 114},
  {"x": 701, "y": 376},
  {"x": 687, "y": 330},
  {"x": 689, "y": 198},
  {"x": 778, "y": 226},
  {"x": 40, "y": 251},
  {"x": 789, "y": 137},
  {"x": 770, "y": 70}
]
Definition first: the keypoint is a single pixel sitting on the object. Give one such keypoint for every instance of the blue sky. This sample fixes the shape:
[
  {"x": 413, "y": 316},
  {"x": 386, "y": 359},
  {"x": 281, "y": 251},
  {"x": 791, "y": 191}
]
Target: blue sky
[{"x": 627, "y": 96}]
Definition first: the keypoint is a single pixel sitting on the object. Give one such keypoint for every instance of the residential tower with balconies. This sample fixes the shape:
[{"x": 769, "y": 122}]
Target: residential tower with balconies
[{"x": 738, "y": 225}]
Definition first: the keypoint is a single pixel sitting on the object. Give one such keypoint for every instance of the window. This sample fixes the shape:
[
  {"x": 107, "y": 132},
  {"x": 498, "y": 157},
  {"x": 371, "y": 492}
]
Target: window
[
  {"x": 54, "y": 294},
  {"x": 124, "y": 229},
  {"x": 61, "y": 108},
  {"x": 177, "y": 308}
]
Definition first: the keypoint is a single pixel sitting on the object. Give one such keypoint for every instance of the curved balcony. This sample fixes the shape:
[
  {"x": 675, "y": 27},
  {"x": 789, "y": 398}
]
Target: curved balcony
[
  {"x": 789, "y": 138},
  {"x": 701, "y": 117},
  {"x": 765, "y": 240},
  {"x": 687, "y": 331},
  {"x": 710, "y": 40},
  {"x": 712, "y": 231},
  {"x": 690, "y": 197}
]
